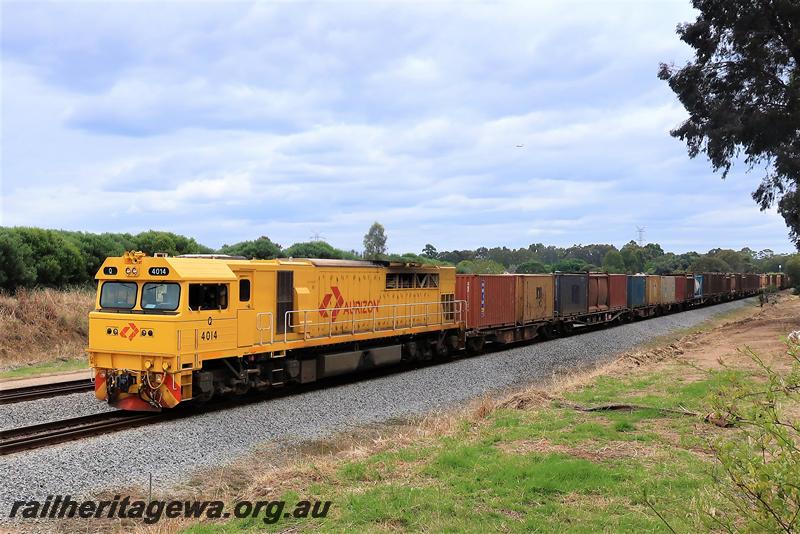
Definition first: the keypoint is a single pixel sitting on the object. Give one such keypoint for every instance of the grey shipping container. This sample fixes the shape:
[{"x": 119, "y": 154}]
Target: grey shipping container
[
  {"x": 572, "y": 294},
  {"x": 636, "y": 285}
]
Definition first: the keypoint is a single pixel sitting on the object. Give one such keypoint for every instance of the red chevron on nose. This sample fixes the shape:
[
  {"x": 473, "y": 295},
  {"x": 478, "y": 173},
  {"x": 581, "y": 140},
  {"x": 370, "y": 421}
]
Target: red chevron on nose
[{"x": 129, "y": 331}]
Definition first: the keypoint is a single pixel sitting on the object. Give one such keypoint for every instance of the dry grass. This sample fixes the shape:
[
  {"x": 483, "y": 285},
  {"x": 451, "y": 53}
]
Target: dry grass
[
  {"x": 43, "y": 325},
  {"x": 587, "y": 450}
]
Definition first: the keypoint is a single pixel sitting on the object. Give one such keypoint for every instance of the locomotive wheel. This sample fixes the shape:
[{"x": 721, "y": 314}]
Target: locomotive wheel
[{"x": 441, "y": 350}]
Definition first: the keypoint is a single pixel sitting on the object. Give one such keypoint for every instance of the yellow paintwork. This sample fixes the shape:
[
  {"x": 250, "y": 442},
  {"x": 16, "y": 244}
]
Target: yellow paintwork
[{"x": 183, "y": 340}]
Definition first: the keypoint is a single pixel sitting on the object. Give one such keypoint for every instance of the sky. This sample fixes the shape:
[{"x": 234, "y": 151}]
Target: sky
[{"x": 460, "y": 124}]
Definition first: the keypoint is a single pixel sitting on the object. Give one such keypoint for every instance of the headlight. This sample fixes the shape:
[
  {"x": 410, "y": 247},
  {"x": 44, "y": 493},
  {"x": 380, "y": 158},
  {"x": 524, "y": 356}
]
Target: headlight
[{"x": 128, "y": 271}]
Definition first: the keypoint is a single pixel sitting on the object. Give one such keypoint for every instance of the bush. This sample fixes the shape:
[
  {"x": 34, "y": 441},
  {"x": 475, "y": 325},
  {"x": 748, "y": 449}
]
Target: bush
[
  {"x": 532, "y": 267},
  {"x": 317, "y": 249},
  {"x": 260, "y": 249},
  {"x": 31, "y": 257},
  {"x": 479, "y": 267},
  {"x": 759, "y": 466}
]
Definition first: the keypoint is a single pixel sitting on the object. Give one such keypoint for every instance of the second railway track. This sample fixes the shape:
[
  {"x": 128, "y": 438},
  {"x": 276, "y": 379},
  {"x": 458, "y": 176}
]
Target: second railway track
[
  {"x": 9, "y": 396},
  {"x": 45, "y": 434}
]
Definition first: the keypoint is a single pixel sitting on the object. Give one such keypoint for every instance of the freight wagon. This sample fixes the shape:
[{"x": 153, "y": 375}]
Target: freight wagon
[
  {"x": 583, "y": 299},
  {"x": 506, "y": 308}
]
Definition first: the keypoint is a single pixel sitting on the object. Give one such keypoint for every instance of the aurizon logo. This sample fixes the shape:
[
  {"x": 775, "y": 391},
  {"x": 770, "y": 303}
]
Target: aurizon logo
[
  {"x": 359, "y": 307},
  {"x": 129, "y": 331}
]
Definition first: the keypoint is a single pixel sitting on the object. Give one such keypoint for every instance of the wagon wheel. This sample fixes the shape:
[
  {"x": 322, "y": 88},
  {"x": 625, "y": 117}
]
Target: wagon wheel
[
  {"x": 475, "y": 344},
  {"x": 566, "y": 329},
  {"x": 546, "y": 332}
]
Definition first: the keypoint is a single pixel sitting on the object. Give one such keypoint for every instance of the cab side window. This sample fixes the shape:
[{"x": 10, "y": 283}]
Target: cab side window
[
  {"x": 244, "y": 290},
  {"x": 208, "y": 297}
]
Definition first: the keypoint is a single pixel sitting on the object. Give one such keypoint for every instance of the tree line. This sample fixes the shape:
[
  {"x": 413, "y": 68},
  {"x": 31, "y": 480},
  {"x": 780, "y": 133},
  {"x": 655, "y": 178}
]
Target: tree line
[
  {"x": 631, "y": 258},
  {"x": 31, "y": 257}
]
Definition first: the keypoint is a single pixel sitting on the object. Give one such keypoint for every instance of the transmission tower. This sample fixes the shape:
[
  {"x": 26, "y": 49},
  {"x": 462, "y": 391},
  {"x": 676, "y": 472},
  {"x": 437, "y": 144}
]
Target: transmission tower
[
  {"x": 317, "y": 237},
  {"x": 640, "y": 231}
]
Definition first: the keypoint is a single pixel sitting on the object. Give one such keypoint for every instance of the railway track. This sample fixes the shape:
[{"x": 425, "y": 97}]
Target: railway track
[
  {"x": 45, "y": 434},
  {"x": 10, "y": 396}
]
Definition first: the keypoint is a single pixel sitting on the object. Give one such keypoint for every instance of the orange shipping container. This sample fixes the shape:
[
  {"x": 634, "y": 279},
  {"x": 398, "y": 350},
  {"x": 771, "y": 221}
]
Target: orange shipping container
[
  {"x": 535, "y": 297},
  {"x": 617, "y": 291},
  {"x": 598, "y": 292},
  {"x": 653, "y": 289},
  {"x": 490, "y": 298}
]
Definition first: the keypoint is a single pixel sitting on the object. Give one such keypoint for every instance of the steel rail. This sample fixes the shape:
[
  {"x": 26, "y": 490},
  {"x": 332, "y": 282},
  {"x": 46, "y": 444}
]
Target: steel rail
[
  {"x": 9, "y": 396},
  {"x": 54, "y": 432}
]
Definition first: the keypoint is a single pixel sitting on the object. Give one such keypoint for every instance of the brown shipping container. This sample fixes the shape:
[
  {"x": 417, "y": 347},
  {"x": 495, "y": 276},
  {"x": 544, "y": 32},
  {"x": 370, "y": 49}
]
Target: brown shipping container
[
  {"x": 491, "y": 299},
  {"x": 598, "y": 292},
  {"x": 755, "y": 282},
  {"x": 668, "y": 290},
  {"x": 534, "y": 297},
  {"x": 680, "y": 288},
  {"x": 617, "y": 291},
  {"x": 713, "y": 284},
  {"x": 653, "y": 289},
  {"x": 689, "y": 287}
]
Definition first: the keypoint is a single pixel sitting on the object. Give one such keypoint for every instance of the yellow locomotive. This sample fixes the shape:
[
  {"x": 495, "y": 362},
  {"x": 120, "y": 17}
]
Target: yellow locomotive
[{"x": 169, "y": 329}]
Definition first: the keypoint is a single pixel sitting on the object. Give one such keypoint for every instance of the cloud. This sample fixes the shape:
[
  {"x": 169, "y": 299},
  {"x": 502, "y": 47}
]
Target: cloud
[{"x": 478, "y": 125}]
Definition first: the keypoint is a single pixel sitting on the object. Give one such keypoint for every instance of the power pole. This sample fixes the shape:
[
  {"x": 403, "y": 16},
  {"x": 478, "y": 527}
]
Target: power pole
[{"x": 640, "y": 231}]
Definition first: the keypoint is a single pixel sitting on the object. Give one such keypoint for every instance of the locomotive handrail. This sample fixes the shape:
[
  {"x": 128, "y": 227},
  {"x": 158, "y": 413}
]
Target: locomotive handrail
[
  {"x": 261, "y": 329},
  {"x": 454, "y": 309}
]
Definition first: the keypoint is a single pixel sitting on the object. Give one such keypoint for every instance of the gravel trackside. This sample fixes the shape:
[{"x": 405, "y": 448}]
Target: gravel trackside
[{"x": 171, "y": 449}]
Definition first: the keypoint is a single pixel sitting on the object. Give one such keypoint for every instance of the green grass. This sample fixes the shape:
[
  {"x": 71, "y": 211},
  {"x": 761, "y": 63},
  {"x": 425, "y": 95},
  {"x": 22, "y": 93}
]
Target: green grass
[
  {"x": 57, "y": 366},
  {"x": 484, "y": 479}
]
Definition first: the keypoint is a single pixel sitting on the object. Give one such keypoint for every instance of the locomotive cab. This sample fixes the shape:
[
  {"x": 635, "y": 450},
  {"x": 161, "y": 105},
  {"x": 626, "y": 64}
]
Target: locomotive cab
[{"x": 150, "y": 316}]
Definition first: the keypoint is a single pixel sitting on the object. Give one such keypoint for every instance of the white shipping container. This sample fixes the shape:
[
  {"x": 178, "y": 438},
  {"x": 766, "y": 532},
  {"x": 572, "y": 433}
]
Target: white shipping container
[{"x": 668, "y": 290}]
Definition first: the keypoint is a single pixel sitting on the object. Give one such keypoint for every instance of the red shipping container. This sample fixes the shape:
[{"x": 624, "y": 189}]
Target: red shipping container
[
  {"x": 598, "y": 292},
  {"x": 680, "y": 288},
  {"x": 491, "y": 299},
  {"x": 617, "y": 291}
]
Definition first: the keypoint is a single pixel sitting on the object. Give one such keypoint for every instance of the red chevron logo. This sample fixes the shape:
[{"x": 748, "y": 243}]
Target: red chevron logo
[
  {"x": 326, "y": 301},
  {"x": 129, "y": 331}
]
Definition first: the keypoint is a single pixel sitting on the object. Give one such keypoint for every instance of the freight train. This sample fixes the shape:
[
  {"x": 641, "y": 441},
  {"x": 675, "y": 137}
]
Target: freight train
[{"x": 167, "y": 330}]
